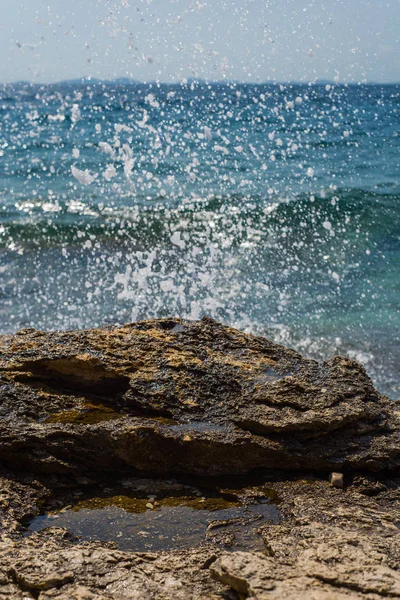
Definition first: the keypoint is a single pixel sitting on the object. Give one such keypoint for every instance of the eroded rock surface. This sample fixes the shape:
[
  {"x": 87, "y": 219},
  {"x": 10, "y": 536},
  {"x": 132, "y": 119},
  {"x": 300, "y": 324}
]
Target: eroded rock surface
[
  {"x": 186, "y": 397},
  {"x": 331, "y": 545},
  {"x": 173, "y": 399}
]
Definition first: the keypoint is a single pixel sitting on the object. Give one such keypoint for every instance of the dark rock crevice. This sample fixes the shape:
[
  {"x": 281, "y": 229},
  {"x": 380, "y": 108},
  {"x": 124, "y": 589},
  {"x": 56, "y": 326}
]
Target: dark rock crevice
[{"x": 74, "y": 374}]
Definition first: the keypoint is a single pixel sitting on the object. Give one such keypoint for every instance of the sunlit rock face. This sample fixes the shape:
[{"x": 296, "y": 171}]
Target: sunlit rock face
[{"x": 173, "y": 396}]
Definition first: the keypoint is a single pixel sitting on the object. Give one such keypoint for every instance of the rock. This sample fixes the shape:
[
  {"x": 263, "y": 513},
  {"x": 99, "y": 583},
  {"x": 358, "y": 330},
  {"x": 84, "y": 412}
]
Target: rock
[
  {"x": 334, "y": 545},
  {"x": 147, "y": 402},
  {"x": 336, "y": 479},
  {"x": 327, "y": 572},
  {"x": 46, "y": 568},
  {"x": 201, "y": 398},
  {"x": 331, "y": 545}
]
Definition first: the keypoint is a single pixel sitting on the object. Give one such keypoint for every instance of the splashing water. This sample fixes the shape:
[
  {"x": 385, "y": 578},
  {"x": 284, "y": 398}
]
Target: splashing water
[{"x": 271, "y": 208}]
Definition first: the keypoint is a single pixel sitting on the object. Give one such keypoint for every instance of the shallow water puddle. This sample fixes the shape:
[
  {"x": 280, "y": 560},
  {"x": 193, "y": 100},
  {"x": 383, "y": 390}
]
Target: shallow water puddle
[{"x": 139, "y": 524}]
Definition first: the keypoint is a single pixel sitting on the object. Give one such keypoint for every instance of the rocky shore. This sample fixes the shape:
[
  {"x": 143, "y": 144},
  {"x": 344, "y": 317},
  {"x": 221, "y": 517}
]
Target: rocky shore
[{"x": 232, "y": 430}]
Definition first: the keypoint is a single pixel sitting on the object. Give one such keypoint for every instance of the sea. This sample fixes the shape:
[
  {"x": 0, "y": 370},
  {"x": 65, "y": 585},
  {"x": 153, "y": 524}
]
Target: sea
[{"x": 273, "y": 208}]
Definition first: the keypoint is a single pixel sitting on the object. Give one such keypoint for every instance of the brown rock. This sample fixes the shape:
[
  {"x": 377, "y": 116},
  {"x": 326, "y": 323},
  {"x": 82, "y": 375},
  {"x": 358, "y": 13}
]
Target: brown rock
[
  {"x": 333, "y": 545},
  {"x": 188, "y": 397},
  {"x": 336, "y": 479},
  {"x": 172, "y": 397}
]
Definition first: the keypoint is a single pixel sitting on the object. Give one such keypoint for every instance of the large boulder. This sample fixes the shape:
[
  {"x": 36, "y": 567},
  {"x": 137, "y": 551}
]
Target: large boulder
[{"x": 172, "y": 396}]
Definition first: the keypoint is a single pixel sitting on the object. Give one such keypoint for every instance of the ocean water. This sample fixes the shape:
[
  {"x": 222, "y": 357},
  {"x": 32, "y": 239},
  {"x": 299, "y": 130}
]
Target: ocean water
[{"x": 272, "y": 208}]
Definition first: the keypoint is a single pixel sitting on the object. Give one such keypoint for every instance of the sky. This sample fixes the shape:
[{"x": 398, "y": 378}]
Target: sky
[{"x": 173, "y": 40}]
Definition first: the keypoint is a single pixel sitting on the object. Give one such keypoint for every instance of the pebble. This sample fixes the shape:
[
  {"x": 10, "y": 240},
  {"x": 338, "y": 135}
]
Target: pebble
[
  {"x": 128, "y": 483},
  {"x": 336, "y": 479}
]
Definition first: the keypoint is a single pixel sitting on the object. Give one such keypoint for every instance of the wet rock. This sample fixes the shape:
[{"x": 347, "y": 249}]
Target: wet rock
[
  {"x": 368, "y": 485},
  {"x": 200, "y": 398},
  {"x": 166, "y": 398},
  {"x": 333, "y": 545}
]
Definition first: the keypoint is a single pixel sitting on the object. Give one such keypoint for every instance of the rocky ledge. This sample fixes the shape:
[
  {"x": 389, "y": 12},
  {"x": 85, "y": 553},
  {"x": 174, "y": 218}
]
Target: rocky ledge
[{"x": 158, "y": 403}]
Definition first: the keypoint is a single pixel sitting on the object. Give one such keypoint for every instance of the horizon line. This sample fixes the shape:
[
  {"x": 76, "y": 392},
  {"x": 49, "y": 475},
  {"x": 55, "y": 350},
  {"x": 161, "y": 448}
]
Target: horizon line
[{"x": 88, "y": 80}]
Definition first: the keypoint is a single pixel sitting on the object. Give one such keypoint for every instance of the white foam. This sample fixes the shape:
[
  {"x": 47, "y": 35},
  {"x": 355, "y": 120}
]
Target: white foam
[{"x": 84, "y": 177}]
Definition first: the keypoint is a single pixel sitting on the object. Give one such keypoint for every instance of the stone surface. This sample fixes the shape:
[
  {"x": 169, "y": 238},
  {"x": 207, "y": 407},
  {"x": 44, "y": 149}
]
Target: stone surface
[
  {"x": 185, "y": 397},
  {"x": 172, "y": 399},
  {"x": 332, "y": 544},
  {"x": 46, "y": 567},
  {"x": 337, "y": 546}
]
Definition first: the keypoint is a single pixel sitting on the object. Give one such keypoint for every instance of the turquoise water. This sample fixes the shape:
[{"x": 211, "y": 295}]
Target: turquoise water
[{"x": 271, "y": 208}]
